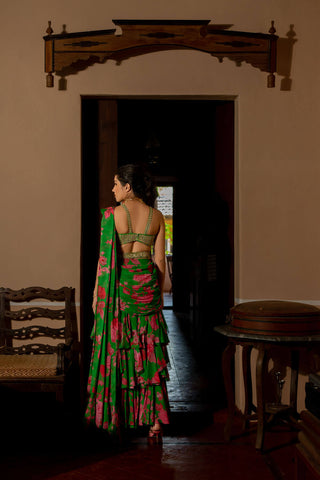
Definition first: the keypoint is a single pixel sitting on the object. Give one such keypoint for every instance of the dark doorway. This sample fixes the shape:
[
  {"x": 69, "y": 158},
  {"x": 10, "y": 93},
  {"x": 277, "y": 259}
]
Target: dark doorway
[{"x": 188, "y": 143}]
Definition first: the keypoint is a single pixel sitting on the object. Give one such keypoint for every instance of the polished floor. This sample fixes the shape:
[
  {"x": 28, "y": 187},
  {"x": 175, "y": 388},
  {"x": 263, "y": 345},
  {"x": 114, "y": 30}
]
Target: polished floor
[{"x": 193, "y": 447}]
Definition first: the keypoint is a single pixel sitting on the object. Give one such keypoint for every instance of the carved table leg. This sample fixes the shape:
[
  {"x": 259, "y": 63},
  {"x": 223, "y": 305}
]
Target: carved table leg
[
  {"x": 227, "y": 357},
  {"x": 247, "y": 382},
  {"x": 295, "y": 357},
  {"x": 294, "y": 379},
  {"x": 260, "y": 374}
]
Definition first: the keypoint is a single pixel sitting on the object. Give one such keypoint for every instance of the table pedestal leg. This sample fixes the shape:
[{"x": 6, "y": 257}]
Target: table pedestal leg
[
  {"x": 260, "y": 375},
  {"x": 247, "y": 382},
  {"x": 227, "y": 358},
  {"x": 294, "y": 379}
]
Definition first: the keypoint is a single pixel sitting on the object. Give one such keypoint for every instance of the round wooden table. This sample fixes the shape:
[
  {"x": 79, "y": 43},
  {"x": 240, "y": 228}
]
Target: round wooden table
[{"x": 263, "y": 343}]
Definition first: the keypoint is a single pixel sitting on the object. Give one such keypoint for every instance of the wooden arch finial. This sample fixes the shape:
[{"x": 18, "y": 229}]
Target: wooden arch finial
[
  {"x": 49, "y": 29},
  {"x": 48, "y": 58},
  {"x": 272, "y": 30}
]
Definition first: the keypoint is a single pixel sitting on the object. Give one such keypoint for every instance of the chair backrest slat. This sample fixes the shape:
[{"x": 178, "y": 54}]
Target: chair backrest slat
[
  {"x": 43, "y": 322},
  {"x": 32, "y": 293},
  {"x": 35, "y": 312}
]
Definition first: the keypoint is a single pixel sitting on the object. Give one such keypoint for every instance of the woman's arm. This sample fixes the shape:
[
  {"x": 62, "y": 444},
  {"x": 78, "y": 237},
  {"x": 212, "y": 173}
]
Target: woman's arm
[{"x": 159, "y": 254}]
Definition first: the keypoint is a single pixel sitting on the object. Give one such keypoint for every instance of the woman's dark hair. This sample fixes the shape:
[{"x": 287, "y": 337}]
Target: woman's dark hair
[{"x": 140, "y": 181}]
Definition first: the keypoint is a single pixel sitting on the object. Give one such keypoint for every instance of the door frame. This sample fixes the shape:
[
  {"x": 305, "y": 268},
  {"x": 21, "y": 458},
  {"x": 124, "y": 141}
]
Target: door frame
[{"x": 105, "y": 180}]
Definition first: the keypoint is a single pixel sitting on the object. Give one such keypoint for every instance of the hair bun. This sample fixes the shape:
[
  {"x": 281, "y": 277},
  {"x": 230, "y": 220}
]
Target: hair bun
[{"x": 140, "y": 180}]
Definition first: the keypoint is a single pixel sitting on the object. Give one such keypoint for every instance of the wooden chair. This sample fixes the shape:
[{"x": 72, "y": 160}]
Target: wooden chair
[{"x": 38, "y": 342}]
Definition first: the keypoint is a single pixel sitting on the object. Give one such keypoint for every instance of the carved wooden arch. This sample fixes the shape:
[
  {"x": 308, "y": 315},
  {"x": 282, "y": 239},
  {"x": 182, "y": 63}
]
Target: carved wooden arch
[{"x": 68, "y": 53}]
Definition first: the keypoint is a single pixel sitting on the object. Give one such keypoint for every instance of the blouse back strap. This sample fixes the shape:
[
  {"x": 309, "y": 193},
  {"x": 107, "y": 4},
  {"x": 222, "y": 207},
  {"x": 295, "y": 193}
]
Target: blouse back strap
[
  {"x": 149, "y": 220},
  {"x": 128, "y": 217}
]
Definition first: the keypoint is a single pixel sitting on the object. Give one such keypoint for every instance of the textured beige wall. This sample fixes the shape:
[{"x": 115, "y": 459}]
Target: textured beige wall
[{"x": 278, "y": 145}]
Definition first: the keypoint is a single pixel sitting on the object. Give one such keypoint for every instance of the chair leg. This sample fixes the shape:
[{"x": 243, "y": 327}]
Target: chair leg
[{"x": 60, "y": 395}]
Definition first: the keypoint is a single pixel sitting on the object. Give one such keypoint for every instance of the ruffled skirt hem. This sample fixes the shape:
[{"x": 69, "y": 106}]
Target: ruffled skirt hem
[
  {"x": 143, "y": 370},
  {"x": 138, "y": 375}
]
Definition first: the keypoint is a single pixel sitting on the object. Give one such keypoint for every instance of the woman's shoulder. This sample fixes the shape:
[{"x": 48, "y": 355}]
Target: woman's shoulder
[
  {"x": 158, "y": 215},
  {"x": 119, "y": 211},
  {"x": 157, "y": 212}
]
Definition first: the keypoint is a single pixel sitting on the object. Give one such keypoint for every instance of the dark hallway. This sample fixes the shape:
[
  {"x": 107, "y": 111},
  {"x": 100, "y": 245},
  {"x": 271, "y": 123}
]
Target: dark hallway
[
  {"x": 185, "y": 142},
  {"x": 39, "y": 444}
]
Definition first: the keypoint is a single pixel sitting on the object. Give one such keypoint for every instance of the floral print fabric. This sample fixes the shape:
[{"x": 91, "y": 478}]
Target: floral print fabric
[{"x": 128, "y": 368}]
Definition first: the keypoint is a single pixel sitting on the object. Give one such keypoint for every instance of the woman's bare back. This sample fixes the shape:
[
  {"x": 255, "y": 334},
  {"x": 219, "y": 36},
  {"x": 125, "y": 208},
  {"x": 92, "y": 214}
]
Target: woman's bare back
[{"x": 139, "y": 214}]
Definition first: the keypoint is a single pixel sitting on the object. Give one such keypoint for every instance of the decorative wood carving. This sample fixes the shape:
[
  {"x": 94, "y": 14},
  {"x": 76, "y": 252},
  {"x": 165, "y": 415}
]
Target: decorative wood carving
[
  {"x": 29, "y": 333},
  {"x": 36, "y": 312},
  {"x": 68, "y": 53},
  {"x": 32, "y": 293},
  {"x": 34, "y": 349},
  {"x": 57, "y": 323}
]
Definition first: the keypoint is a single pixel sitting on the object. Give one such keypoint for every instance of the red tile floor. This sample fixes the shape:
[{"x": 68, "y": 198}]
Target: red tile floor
[{"x": 193, "y": 447}]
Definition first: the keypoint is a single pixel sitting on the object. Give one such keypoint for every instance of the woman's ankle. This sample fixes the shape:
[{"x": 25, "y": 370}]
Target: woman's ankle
[{"x": 156, "y": 426}]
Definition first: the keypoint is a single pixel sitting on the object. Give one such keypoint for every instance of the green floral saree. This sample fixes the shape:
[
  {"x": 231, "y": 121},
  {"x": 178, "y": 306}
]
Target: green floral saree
[{"x": 128, "y": 368}]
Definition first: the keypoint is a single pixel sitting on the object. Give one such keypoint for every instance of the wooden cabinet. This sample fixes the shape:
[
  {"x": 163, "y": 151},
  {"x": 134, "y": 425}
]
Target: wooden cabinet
[{"x": 308, "y": 447}]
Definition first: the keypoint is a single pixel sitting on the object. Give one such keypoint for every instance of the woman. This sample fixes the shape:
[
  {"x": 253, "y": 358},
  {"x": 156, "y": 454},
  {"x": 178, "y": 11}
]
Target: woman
[{"x": 128, "y": 370}]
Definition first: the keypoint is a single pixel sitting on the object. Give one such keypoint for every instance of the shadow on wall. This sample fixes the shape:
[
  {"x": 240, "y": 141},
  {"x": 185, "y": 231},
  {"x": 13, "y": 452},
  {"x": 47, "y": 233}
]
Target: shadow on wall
[{"x": 284, "y": 58}]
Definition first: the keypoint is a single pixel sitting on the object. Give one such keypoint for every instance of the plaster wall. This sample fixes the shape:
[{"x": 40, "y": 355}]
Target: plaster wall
[{"x": 277, "y": 140}]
